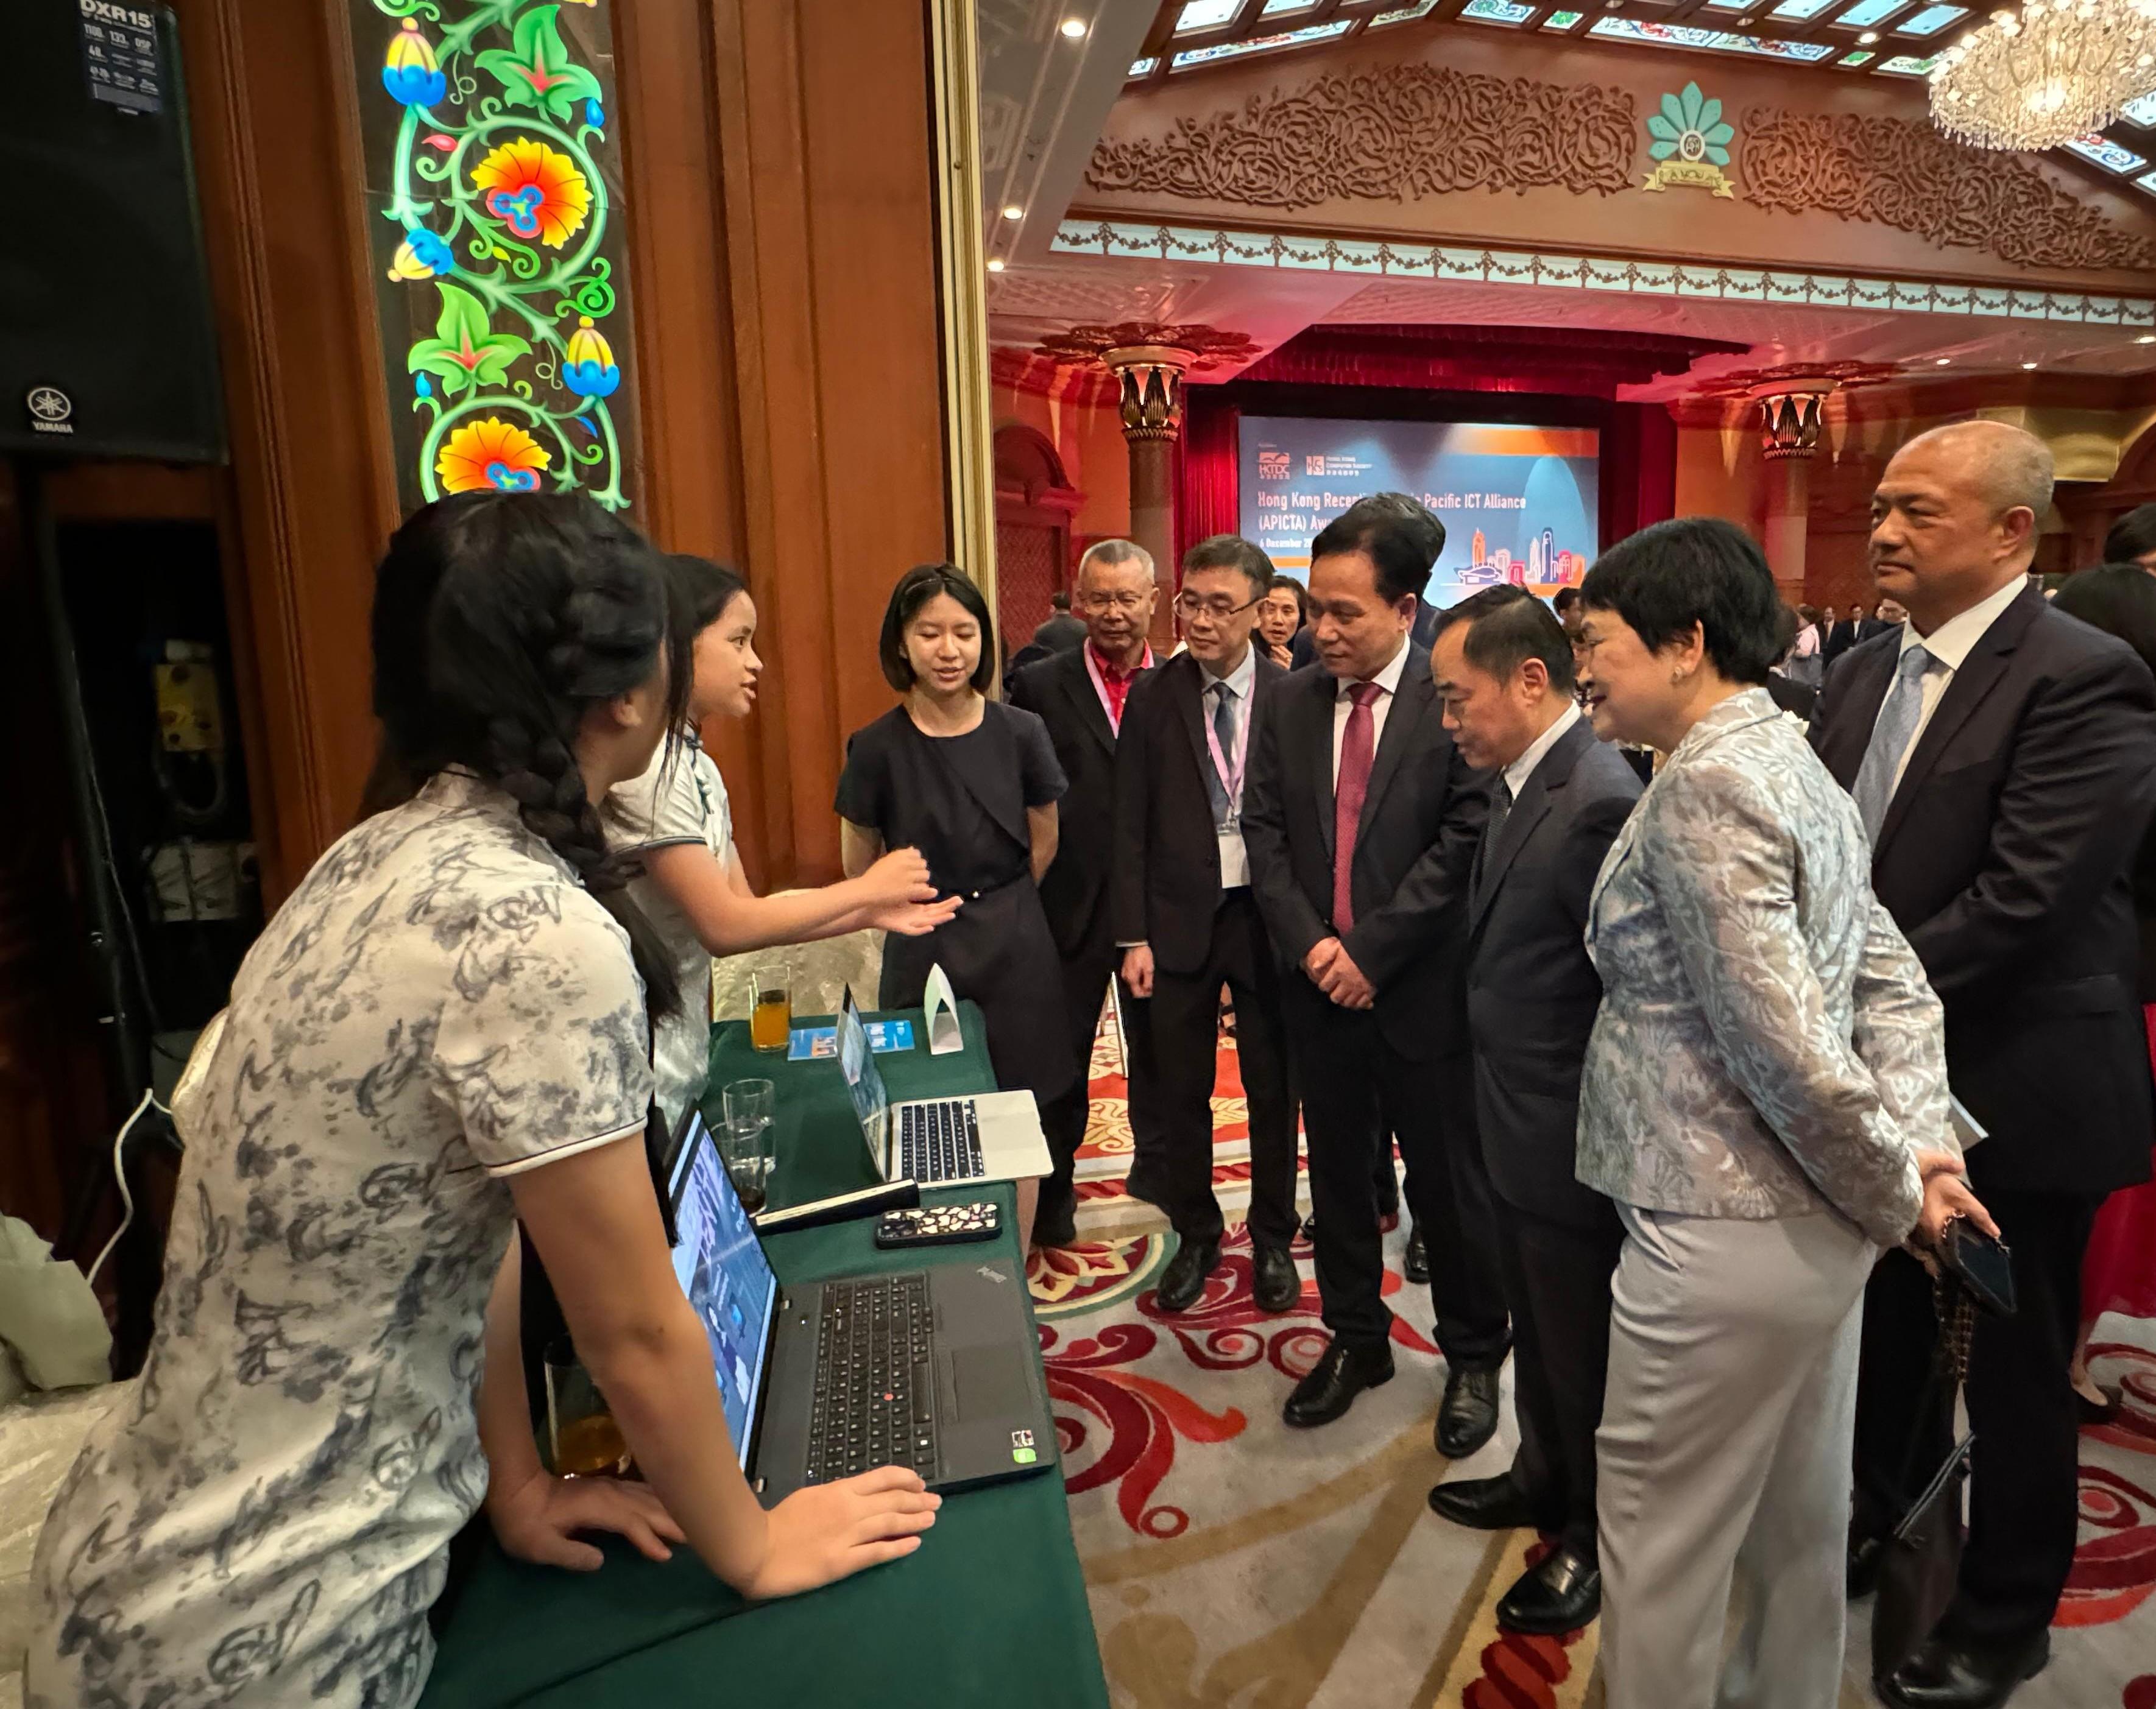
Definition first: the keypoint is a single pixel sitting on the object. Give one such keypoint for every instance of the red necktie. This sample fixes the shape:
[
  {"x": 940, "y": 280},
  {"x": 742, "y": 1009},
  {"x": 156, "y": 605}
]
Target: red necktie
[{"x": 1357, "y": 747}]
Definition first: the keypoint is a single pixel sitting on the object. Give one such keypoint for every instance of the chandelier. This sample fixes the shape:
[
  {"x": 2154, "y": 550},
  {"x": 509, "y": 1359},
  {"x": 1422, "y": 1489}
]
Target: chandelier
[{"x": 2055, "y": 71}]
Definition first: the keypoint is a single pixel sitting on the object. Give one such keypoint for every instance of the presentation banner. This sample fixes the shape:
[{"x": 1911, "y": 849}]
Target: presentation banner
[{"x": 1519, "y": 504}]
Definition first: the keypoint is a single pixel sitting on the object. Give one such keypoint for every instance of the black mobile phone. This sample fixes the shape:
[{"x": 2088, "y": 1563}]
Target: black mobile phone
[{"x": 1981, "y": 1266}]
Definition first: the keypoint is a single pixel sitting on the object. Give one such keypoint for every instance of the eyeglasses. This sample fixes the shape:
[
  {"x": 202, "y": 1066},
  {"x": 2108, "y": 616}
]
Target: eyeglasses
[
  {"x": 1220, "y": 610},
  {"x": 1110, "y": 602}
]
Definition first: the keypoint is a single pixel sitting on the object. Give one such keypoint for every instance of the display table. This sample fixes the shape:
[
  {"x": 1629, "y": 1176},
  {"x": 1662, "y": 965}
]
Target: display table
[{"x": 990, "y": 1611}]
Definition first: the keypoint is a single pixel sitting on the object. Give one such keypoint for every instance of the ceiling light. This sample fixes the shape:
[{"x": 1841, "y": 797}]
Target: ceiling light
[
  {"x": 1014, "y": 212},
  {"x": 2146, "y": 338},
  {"x": 1940, "y": 362},
  {"x": 1074, "y": 27},
  {"x": 2059, "y": 68},
  {"x": 1867, "y": 38},
  {"x": 2026, "y": 366},
  {"x": 995, "y": 263}
]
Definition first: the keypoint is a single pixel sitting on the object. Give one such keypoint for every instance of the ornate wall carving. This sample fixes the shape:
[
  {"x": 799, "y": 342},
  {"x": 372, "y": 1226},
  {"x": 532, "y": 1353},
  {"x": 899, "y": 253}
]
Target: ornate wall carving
[
  {"x": 1393, "y": 132},
  {"x": 1902, "y": 174}
]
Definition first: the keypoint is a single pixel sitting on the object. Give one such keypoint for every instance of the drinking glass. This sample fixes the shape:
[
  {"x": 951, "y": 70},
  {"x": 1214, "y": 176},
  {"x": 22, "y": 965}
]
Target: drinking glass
[
  {"x": 746, "y": 1140},
  {"x": 582, "y": 1439},
  {"x": 771, "y": 1020}
]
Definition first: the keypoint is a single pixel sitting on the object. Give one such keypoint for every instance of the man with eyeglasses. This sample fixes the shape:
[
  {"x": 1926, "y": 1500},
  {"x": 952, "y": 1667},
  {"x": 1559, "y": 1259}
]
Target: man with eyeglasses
[
  {"x": 1081, "y": 695},
  {"x": 1185, "y": 914}
]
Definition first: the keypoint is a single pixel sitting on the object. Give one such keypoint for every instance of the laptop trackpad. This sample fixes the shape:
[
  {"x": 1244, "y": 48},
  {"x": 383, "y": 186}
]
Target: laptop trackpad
[{"x": 986, "y": 1383}]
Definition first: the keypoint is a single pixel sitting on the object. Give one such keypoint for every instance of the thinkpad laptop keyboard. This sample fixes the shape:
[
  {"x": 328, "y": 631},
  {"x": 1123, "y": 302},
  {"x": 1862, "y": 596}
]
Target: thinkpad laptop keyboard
[
  {"x": 939, "y": 1141},
  {"x": 874, "y": 1398}
]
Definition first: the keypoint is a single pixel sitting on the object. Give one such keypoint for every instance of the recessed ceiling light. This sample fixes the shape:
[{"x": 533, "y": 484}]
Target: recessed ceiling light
[
  {"x": 1941, "y": 363},
  {"x": 2028, "y": 365},
  {"x": 1074, "y": 27},
  {"x": 1014, "y": 212},
  {"x": 995, "y": 263},
  {"x": 2146, "y": 338},
  {"x": 1867, "y": 38}
]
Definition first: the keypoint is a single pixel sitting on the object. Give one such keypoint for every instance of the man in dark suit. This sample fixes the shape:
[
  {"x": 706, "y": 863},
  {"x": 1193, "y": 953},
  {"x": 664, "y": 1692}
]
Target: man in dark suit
[
  {"x": 1361, "y": 821},
  {"x": 1183, "y": 913},
  {"x": 2002, "y": 756},
  {"x": 1081, "y": 695},
  {"x": 1303, "y": 649},
  {"x": 1504, "y": 673},
  {"x": 1839, "y": 633}
]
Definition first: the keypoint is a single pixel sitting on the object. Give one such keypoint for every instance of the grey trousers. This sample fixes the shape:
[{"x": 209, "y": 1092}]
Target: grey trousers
[{"x": 1724, "y": 1459}]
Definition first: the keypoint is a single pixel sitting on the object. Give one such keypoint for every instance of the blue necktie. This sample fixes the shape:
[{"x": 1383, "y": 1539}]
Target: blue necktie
[
  {"x": 1224, "y": 732},
  {"x": 1889, "y": 740}
]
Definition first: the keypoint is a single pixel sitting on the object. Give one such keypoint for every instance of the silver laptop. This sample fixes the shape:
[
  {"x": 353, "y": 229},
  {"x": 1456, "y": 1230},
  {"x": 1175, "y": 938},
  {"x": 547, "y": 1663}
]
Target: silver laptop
[{"x": 988, "y": 1136}]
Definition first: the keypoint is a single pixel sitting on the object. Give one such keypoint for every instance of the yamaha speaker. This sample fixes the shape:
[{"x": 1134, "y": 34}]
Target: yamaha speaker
[{"x": 106, "y": 341}]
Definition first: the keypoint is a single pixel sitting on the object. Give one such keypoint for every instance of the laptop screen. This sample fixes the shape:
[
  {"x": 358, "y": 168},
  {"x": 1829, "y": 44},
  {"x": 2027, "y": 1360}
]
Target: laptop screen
[
  {"x": 722, "y": 1269},
  {"x": 864, "y": 1081}
]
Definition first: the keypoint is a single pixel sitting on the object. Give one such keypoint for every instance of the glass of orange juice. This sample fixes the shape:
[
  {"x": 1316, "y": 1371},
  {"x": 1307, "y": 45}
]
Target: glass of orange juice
[
  {"x": 771, "y": 1020},
  {"x": 582, "y": 1439}
]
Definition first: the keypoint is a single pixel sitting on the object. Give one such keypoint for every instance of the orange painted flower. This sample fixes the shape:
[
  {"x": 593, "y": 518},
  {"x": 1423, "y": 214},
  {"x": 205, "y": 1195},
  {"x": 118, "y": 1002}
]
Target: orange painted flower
[
  {"x": 491, "y": 453},
  {"x": 535, "y": 190}
]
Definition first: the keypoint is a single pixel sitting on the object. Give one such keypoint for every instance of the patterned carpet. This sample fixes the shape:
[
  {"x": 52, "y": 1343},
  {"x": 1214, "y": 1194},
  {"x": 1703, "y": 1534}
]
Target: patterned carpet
[{"x": 1234, "y": 1563}]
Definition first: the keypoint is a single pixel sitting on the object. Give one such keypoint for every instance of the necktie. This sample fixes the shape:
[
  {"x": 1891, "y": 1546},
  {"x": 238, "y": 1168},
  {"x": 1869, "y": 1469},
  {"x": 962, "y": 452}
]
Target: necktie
[
  {"x": 1224, "y": 733},
  {"x": 1358, "y": 748},
  {"x": 1889, "y": 740},
  {"x": 1500, "y": 808}
]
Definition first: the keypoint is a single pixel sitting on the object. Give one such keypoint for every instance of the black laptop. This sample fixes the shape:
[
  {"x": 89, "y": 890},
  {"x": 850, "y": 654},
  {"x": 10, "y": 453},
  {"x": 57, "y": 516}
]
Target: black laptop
[{"x": 937, "y": 1369}]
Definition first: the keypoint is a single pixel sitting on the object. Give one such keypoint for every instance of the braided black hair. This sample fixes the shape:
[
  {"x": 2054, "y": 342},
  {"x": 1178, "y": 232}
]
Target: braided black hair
[{"x": 499, "y": 620}]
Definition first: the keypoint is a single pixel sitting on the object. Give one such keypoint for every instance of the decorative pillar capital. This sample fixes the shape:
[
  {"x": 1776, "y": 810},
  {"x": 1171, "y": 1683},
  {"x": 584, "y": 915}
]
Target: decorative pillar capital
[
  {"x": 1148, "y": 361},
  {"x": 1789, "y": 418}
]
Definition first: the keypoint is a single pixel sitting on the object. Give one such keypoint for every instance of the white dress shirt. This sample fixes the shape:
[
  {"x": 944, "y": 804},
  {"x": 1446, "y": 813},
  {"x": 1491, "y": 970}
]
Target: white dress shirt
[
  {"x": 1522, "y": 768},
  {"x": 1388, "y": 680},
  {"x": 1242, "y": 679},
  {"x": 1950, "y": 646}
]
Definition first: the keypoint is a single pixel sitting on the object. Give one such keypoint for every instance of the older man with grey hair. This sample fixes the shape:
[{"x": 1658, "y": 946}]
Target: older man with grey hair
[
  {"x": 1080, "y": 695},
  {"x": 2002, "y": 758}
]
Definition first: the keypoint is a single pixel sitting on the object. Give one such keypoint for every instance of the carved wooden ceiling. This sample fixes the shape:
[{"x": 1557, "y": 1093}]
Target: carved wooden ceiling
[{"x": 1891, "y": 38}]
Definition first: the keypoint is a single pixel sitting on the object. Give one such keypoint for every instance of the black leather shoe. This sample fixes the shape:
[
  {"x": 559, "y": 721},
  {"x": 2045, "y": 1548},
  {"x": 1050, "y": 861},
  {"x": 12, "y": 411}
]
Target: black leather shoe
[
  {"x": 1342, "y": 1373},
  {"x": 1056, "y": 1226},
  {"x": 1415, "y": 1265},
  {"x": 1467, "y": 1416},
  {"x": 1483, "y": 1504},
  {"x": 1310, "y": 1226},
  {"x": 1945, "y": 1674},
  {"x": 1559, "y": 1593},
  {"x": 1273, "y": 1279},
  {"x": 1185, "y": 1280}
]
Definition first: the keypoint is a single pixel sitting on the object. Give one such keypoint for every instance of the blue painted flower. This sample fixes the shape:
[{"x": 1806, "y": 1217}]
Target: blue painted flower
[
  {"x": 594, "y": 114},
  {"x": 424, "y": 386},
  {"x": 423, "y": 254},
  {"x": 410, "y": 72},
  {"x": 589, "y": 369}
]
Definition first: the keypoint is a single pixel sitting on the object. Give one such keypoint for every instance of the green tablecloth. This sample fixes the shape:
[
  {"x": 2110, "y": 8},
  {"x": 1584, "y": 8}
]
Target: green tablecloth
[{"x": 990, "y": 1611}]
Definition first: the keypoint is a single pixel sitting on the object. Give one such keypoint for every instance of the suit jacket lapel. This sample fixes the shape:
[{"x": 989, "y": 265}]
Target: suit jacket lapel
[
  {"x": 1187, "y": 685},
  {"x": 1980, "y": 673},
  {"x": 1529, "y": 811},
  {"x": 1318, "y": 703},
  {"x": 1411, "y": 701},
  {"x": 1078, "y": 686}
]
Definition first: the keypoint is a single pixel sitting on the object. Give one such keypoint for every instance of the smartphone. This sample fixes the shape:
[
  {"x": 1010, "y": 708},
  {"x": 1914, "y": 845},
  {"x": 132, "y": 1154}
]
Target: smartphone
[{"x": 1981, "y": 1264}]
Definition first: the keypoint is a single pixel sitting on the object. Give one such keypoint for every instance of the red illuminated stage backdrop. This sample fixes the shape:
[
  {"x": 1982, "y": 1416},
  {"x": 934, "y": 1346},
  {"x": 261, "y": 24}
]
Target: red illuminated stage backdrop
[{"x": 1564, "y": 380}]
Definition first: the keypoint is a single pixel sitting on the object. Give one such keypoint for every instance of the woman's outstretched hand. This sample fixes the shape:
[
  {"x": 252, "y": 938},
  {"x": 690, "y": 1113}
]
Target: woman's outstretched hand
[
  {"x": 830, "y": 1531},
  {"x": 538, "y": 1520}
]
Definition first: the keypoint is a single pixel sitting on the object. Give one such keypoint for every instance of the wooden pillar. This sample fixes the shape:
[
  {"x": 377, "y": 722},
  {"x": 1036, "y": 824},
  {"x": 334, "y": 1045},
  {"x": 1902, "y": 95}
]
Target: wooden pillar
[{"x": 1149, "y": 378}]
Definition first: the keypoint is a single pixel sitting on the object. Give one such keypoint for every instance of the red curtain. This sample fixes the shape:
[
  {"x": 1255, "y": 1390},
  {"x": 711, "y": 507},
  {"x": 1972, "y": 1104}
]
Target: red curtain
[
  {"x": 1208, "y": 487},
  {"x": 1639, "y": 469}
]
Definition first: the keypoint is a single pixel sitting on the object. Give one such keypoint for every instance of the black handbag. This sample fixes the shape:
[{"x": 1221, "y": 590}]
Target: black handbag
[{"x": 1921, "y": 1562}]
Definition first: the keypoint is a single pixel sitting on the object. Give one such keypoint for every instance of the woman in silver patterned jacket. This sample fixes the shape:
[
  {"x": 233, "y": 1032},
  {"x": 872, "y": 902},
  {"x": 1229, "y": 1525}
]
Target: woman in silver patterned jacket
[{"x": 1765, "y": 1100}]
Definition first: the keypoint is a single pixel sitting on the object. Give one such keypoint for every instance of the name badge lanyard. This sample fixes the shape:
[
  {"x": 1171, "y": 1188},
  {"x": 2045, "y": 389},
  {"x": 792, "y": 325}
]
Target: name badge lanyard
[
  {"x": 1231, "y": 781},
  {"x": 1100, "y": 683}
]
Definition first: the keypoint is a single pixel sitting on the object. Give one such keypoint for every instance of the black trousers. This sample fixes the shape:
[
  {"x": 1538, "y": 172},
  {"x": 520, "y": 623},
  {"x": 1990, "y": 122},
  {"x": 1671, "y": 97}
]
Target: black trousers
[
  {"x": 1355, "y": 1084},
  {"x": 1085, "y": 978},
  {"x": 1186, "y": 1020},
  {"x": 2023, "y": 1481},
  {"x": 1556, "y": 1283}
]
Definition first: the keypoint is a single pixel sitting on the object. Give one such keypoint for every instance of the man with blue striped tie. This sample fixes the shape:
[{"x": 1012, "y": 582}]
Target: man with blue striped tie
[{"x": 2003, "y": 758}]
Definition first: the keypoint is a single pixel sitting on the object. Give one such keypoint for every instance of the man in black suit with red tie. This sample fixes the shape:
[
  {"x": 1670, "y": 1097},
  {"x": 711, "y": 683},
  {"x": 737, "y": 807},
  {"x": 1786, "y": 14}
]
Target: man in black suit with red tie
[
  {"x": 1361, "y": 820},
  {"x": 1504, "y": 672},
  {"x": 2003, "y": 758},
  {"x": 1180, "y": 896},
  {"x": 1081, "y": 695}
]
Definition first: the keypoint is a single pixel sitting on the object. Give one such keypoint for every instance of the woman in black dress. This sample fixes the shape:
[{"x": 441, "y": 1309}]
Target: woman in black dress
[{"x": 972, "y": 784}]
